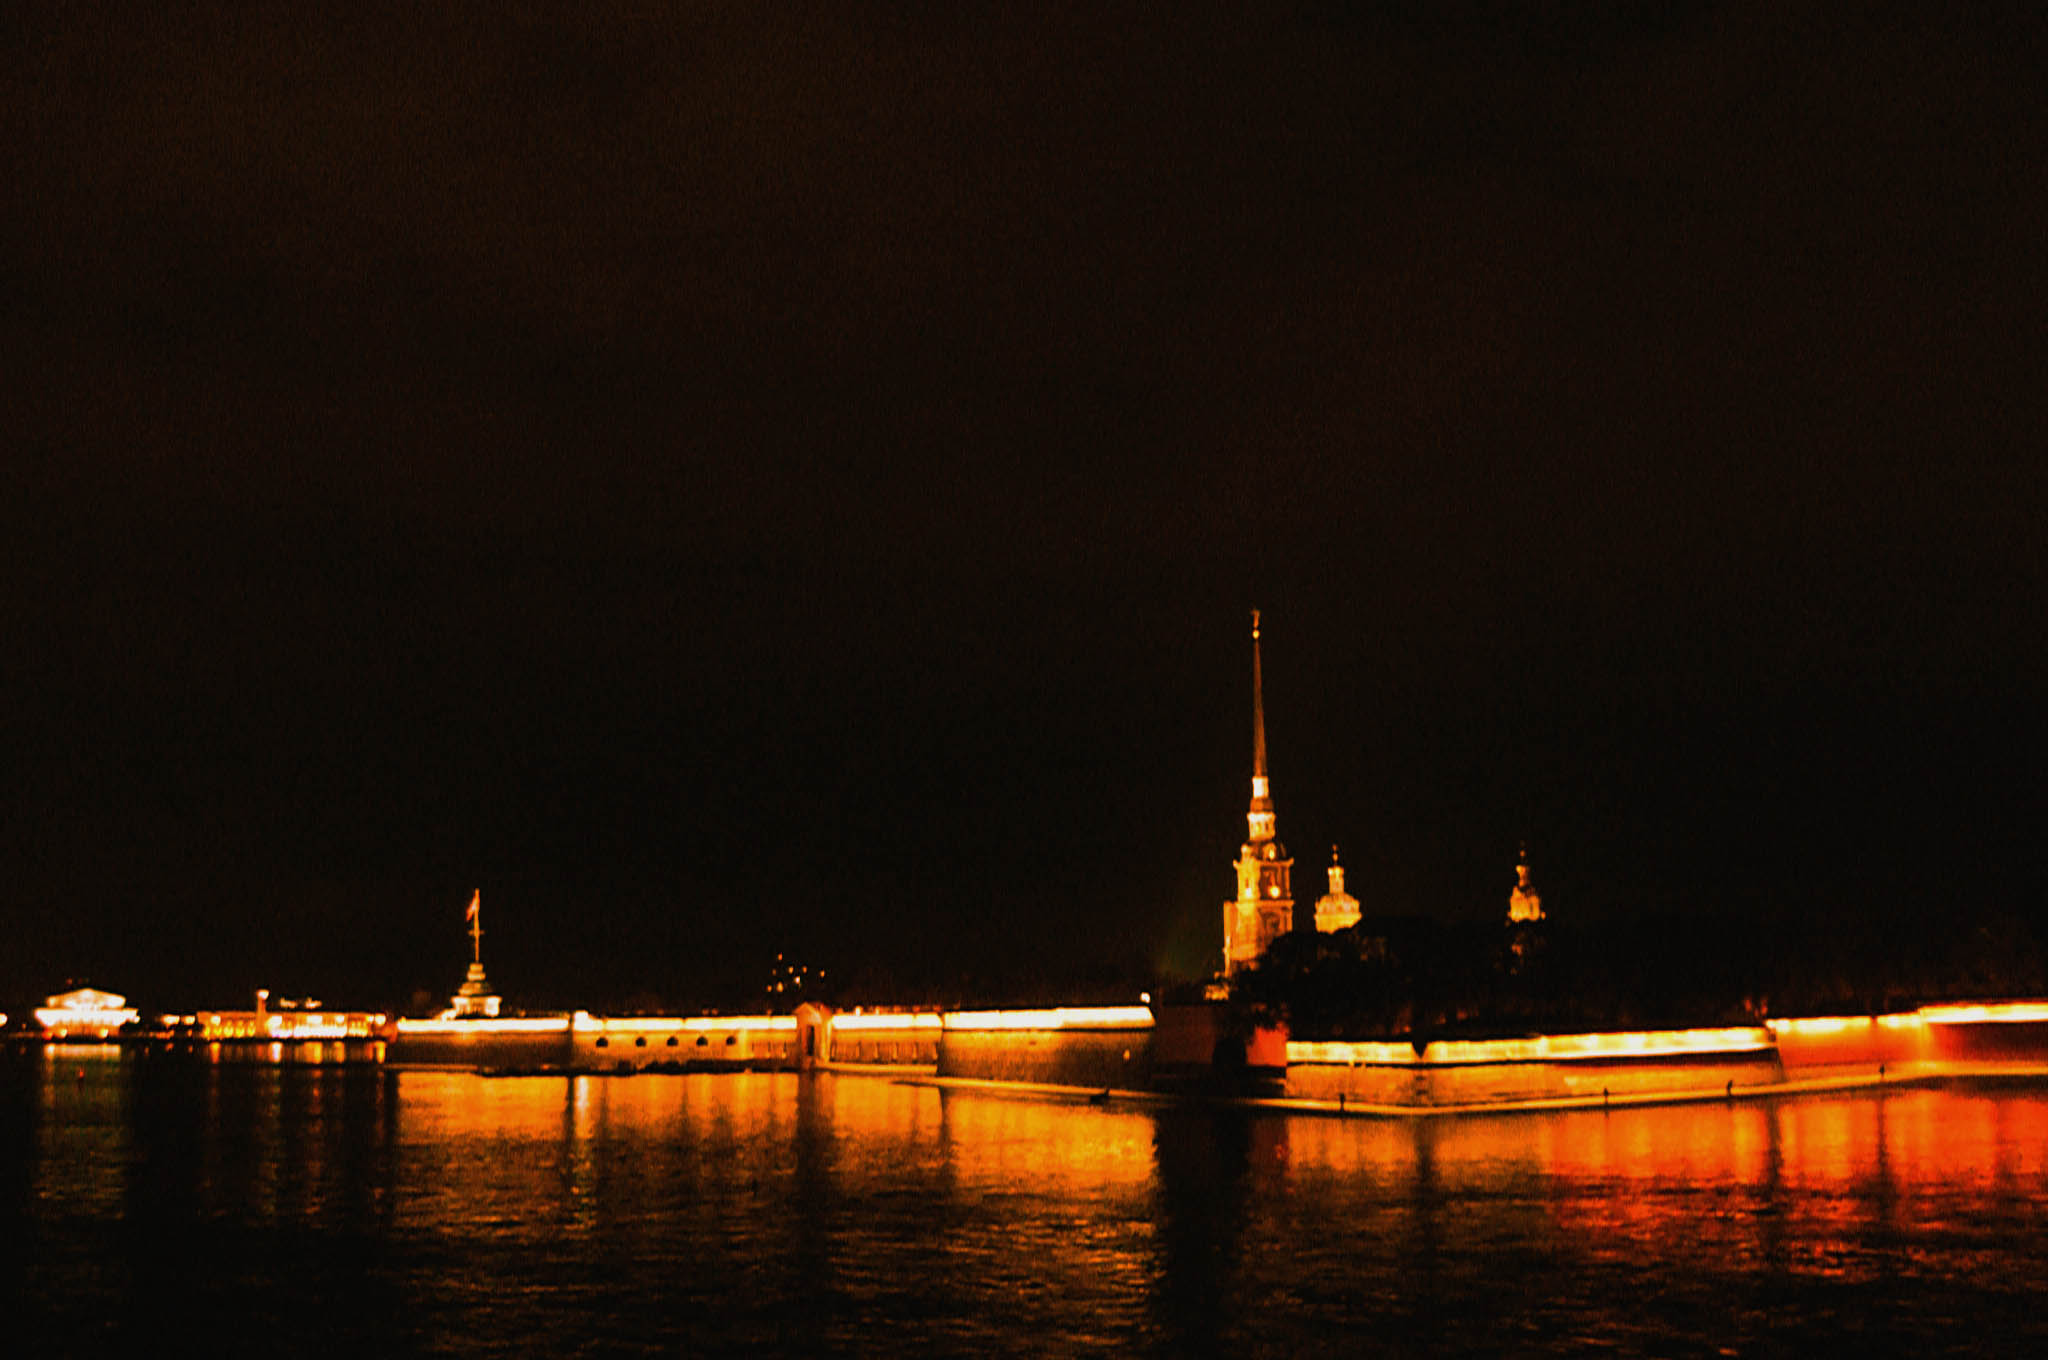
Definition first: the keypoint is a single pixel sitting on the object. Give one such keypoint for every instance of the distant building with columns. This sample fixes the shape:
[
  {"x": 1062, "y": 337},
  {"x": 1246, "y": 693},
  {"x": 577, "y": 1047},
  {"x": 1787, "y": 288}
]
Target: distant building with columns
[{"x": 85, "y": 1013}]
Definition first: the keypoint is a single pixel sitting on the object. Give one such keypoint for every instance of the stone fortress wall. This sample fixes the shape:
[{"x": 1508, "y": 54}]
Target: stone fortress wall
[{"x": 1196, "y": 1050}]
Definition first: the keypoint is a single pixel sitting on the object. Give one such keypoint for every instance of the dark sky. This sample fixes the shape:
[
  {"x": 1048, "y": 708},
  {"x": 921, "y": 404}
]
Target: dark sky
[{"x": 728, "y": 478}]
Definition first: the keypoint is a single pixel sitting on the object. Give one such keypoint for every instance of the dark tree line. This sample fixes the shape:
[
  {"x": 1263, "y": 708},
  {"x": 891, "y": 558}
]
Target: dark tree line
[{"x": 1416, "y": 978}]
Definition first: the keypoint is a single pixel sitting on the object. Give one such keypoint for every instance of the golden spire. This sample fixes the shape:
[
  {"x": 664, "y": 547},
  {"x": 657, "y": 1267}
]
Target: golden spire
[
  {"x": 1263, "y": 909},
  {"x": 1260, "y": 816},
  {"x": 1258, "y": 712}
]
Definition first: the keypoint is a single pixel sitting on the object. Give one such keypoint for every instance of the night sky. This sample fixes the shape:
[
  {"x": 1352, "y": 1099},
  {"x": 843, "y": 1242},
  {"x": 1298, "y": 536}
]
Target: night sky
[{"x": 736, "y": 478}]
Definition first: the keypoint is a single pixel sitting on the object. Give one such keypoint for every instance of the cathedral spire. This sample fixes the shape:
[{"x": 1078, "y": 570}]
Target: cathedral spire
[
  {"x": 1258, "y": 711},
  {"x": 1264, "y": 908},
  {"x": 1259, "y": 817}
]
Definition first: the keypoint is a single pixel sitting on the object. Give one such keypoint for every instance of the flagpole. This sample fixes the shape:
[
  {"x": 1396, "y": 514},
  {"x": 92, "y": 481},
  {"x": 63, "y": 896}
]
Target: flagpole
[{"x": 476, "y": 926}]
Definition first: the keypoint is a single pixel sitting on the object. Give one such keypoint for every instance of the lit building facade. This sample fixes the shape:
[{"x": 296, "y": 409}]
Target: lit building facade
[
  {"x": 474, "y": 999},
  {"x": 1263, "y": 909},
  {"x": 293, "y": 1021},
  {"x": 84, "y": 1014},
  {"x": 1336, "y": 909}
]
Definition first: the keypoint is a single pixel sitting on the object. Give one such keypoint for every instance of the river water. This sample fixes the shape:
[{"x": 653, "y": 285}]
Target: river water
[{"x": 242, "y": 1209}]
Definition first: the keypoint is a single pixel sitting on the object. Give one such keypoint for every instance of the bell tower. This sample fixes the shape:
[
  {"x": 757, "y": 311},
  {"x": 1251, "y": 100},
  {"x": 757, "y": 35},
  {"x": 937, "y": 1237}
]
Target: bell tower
[
  {"x": 1523, "y": 903},
  {"x": 1263, "y": 909}
]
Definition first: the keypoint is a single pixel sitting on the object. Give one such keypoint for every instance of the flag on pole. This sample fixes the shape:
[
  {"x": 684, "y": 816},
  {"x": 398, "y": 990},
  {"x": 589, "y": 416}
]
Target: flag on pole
[{"x": 475, "y": 901}]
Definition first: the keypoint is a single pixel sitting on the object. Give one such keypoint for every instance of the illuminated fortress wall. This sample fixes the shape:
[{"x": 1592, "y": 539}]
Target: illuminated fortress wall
[
  {"x": 1546, "y": 1067},
  {"x": 1932, "y": 1042},
  {"x": 541, "y": 1041},
  {"x": 1087, "y": 1048},
  {"x": 589, "y": 1043},
  {"x": 1932, "y": 1037},
  {"x": 1123, "y": 1048},
  {"x": 1423, "y": 1085},
  {"x": 1989, "y": 1035},
  {"x": 892, "y": 1041},
  {"x": 1821, "y": 1043},
  {"x": 711, "y": 1042}
]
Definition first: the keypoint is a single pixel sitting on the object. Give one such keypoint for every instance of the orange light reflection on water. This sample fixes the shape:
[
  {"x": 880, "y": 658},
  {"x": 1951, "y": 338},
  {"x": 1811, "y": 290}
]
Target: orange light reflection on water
[
  {"x": 1063, "y": 1198},
  {"x": 1058, "y": 1146},
  {"x": 1822, "y": 1187},
  {"x": 1053, "y": 1198}
]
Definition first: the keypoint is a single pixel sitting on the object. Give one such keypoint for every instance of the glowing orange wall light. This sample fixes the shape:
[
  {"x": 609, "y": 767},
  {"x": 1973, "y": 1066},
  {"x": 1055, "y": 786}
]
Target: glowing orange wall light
[
  {"x": 1548, "y": 1048},
  {"x": 1063, "y": 1017}
]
